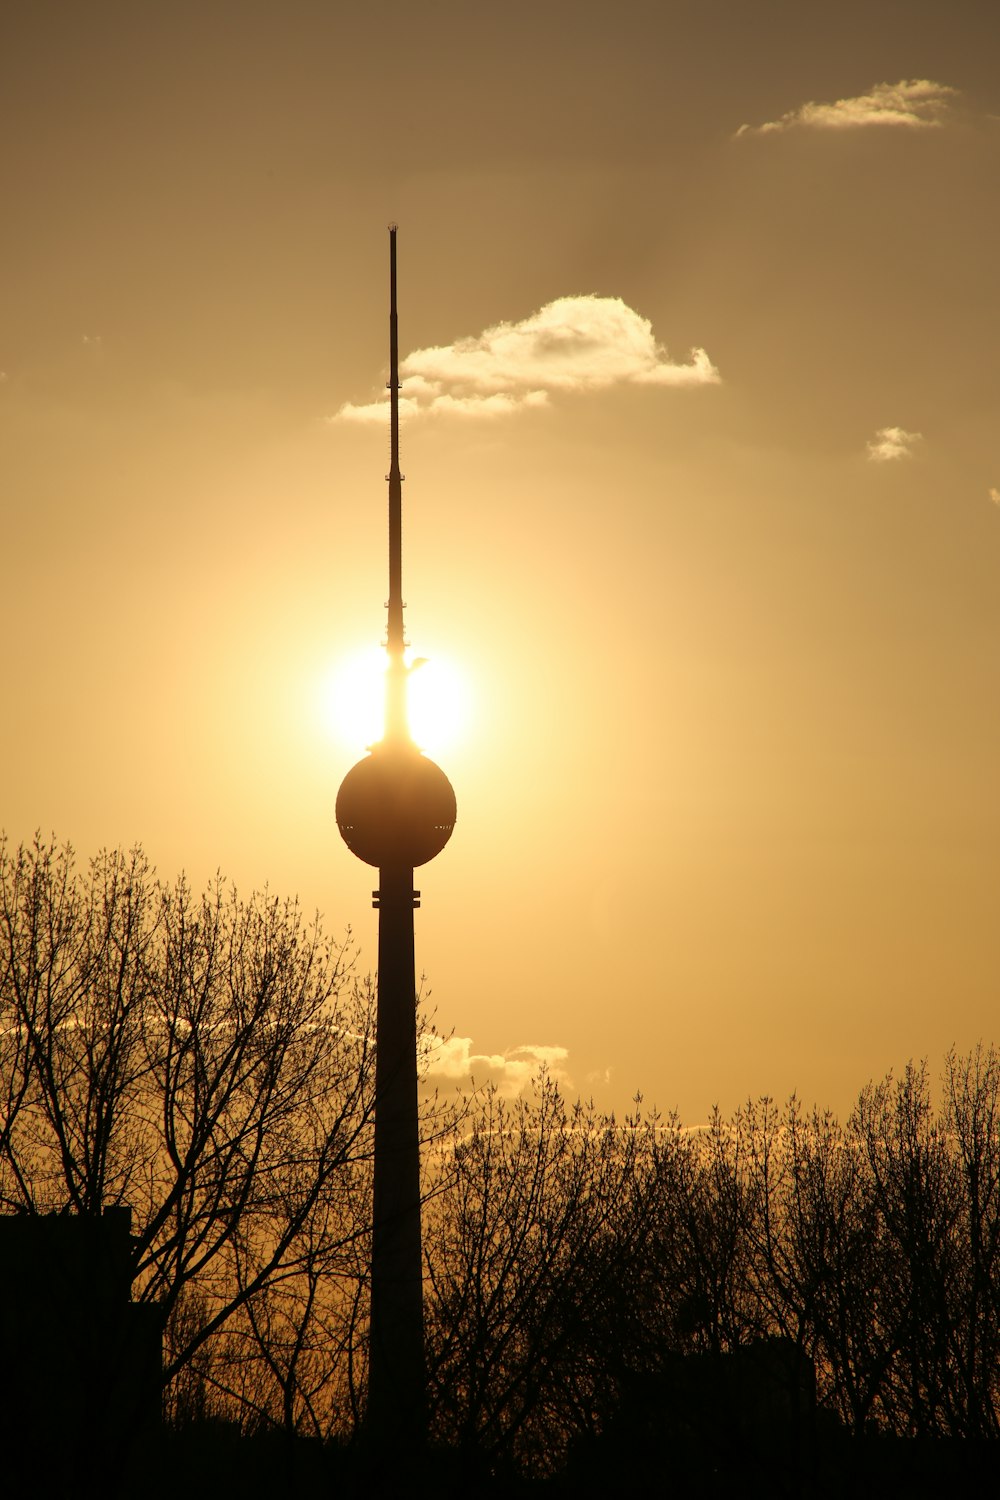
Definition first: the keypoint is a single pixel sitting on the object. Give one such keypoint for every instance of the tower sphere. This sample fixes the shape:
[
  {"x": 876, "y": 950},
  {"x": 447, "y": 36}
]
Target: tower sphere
[{"x": 395, "y": 807}]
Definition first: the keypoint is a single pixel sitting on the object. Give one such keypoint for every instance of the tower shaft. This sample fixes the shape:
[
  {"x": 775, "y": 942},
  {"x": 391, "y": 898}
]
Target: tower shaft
[{"x": 396, "y": 1372}]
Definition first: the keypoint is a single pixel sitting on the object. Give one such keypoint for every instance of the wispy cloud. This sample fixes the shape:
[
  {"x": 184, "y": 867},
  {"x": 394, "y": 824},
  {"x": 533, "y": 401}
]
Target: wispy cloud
[
  {"x": 571, "y": 344},
  {"x": 890, "y": 443},
  {"x": 511, "y": 1071},
  {"x": 915, "y": 103}
]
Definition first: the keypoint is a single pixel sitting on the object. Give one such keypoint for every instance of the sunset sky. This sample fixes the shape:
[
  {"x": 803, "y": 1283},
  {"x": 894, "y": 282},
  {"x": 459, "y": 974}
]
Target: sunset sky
[{"x": 699, "y": 319}]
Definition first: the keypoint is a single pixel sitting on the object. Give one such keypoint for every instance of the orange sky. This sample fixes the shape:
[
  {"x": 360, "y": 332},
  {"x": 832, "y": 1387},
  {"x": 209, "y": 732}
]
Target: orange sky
[{"x": 729, "y": 808}]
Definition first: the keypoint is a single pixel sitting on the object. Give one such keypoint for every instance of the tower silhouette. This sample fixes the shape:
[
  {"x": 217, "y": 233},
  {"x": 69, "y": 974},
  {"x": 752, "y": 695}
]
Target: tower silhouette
[{"x": 396, "y": 810}]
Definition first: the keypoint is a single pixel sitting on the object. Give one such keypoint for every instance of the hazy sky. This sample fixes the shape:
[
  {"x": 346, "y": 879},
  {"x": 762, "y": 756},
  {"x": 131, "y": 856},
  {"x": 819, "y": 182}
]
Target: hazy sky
[{"x": 700, "y": 304}]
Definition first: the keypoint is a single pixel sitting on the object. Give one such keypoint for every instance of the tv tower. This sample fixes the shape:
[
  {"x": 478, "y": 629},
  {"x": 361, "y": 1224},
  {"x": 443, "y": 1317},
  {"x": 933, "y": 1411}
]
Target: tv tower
[{"x": 396, "y": 810}]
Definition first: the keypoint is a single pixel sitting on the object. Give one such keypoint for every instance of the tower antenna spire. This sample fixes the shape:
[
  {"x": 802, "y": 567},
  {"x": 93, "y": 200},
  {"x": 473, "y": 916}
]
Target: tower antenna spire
[
  {"x": 396, "y": 719},
  {"x": 395, "y": 631}
]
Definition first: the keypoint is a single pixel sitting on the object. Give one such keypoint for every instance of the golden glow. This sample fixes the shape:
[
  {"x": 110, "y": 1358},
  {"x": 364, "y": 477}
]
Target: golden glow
[{"x": 353, "y": 701}]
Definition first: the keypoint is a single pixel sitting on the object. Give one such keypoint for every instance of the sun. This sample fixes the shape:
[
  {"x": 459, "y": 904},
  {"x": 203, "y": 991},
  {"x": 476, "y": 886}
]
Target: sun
[
  {"x": 439, "y": 703},
  {"x": 439, "y": 700}
]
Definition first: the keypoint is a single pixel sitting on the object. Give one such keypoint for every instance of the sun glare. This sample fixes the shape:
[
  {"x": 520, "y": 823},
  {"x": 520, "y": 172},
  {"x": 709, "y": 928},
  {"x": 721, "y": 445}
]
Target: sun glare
[
  {"x": 354, "y": 701},
  {"x": 439, "y": 705}
]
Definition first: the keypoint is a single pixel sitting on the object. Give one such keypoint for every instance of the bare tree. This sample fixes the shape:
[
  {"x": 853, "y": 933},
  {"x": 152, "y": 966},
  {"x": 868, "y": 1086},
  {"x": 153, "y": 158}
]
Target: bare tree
[
  {"x": 971, "y": 1121},
  {"x": 206, "y": 1061},
  {"x": 916, "y": 1188},
  {"x": 541, "y": 1223}
]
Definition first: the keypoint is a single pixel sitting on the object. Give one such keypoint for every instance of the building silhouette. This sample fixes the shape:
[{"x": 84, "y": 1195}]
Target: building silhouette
[{"x": 80, "y": 1363}]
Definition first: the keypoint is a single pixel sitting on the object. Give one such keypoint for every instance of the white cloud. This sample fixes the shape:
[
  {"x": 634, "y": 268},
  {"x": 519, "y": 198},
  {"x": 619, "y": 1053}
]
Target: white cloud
[
  {"x": 915, "y": 103},
  {"x": 571, "y": 344},
  {"x": 511, "y": 1071},
  {"x": 892, "y": 442},
  {"x": 995, "y": 495}
]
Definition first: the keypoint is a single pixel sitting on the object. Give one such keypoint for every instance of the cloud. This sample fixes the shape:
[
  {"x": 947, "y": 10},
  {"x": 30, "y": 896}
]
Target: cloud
[
  {"x": 915, "y": 103},
  {"x": 572, "y": 344},
  {"x": 995, "y": 495},
  {"x": 892, "y": 442},
  {"x": 511, "y": 1071},
  {"x": 498, "y": 404}
]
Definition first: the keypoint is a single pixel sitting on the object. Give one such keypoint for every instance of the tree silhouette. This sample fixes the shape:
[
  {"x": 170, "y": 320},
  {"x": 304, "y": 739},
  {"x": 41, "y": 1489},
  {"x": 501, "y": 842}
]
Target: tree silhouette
[
  {"x": 206, "y": 1061},
  {"x": 593, "y": 1285}
]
